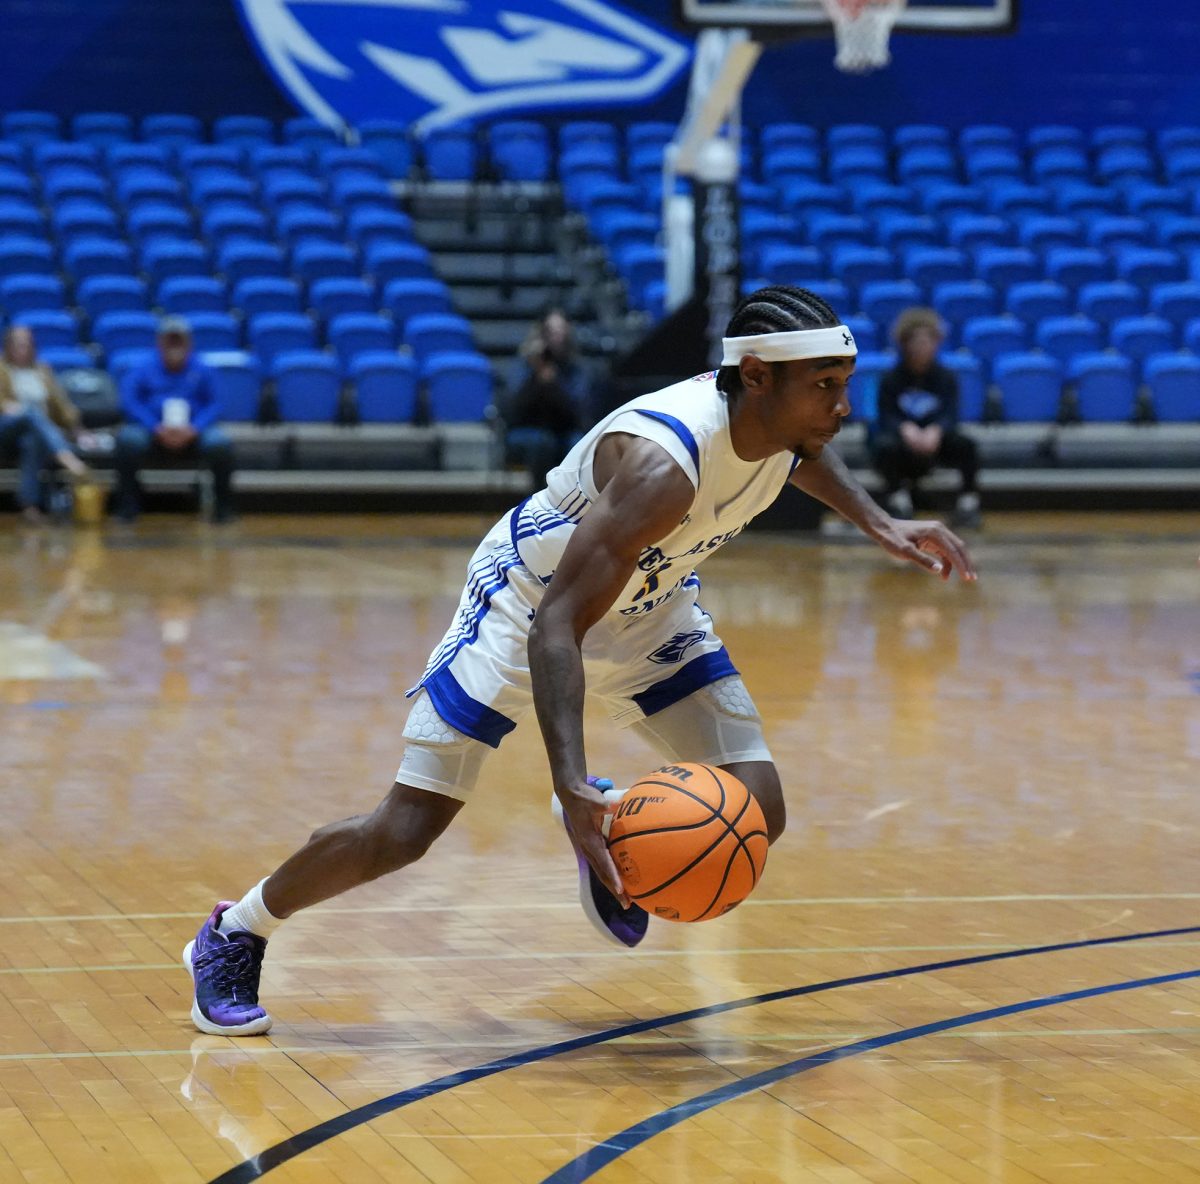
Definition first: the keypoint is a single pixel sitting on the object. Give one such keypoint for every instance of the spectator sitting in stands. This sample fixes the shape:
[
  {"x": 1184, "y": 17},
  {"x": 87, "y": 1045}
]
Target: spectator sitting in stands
[
  {"x": 550, "y": 406},
  {"x": 171, "y": 404},
  {"x": 36, "y": 418},
  {"x": 917, "y": 427}
]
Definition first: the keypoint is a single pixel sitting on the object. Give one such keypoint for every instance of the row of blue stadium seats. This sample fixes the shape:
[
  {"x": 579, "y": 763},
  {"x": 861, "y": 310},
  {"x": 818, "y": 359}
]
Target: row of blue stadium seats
[
  {"x": 328, "y": 298},
  {"x": 1032, "y": 386},
  {"x": 237, "y": 259},
  {"x": 267, "y": 334}
]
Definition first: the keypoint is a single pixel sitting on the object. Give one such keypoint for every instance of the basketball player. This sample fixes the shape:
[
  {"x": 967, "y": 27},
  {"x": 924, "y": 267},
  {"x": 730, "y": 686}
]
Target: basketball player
[{"x": 590, "y": 584}]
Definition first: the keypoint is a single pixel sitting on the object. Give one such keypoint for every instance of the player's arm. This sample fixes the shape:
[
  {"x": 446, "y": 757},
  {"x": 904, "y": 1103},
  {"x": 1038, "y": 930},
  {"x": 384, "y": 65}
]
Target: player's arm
[
  {"x": 644, "y": 495},
  {"x": 927, "y": 544}
]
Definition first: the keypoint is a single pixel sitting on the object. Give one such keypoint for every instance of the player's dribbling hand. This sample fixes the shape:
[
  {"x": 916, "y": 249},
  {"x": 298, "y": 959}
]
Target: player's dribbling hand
[
  {"x": 929, "y": 545},
  {"x": 584, "y": 809}
]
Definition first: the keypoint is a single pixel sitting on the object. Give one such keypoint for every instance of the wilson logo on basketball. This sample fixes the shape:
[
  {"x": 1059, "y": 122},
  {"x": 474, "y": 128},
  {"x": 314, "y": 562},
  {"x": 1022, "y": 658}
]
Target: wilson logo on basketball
[{"x": 675, "y": 771}]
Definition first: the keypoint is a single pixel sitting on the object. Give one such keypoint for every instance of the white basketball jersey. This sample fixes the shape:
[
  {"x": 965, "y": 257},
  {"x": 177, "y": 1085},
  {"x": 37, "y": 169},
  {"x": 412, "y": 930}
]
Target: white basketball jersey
[{"x": 690, "y": 420}]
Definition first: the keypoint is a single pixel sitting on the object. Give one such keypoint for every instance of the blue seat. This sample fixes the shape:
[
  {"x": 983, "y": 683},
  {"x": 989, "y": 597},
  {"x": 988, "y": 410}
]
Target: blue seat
[
  {"x": 791, "y": 135},
  {"x": 851, "y": 166},
  {"x": 338, "y": 296},
  {"x": 66, "y": 183},
  {"x": 306, "y": 132},
  {"x": 289, "y": 188},
  {"x": 1040, "y": 232},
  {"x": 1109, "y": 136},
  {"x": 139, "y": 185},
  {"x": 1177, "y": 138},
  {"x": 659, "y": 132},
  {"x": 1104, "y": 386},
  {"x": 944, "y": 200},
  {"x": 645, "y": 167},
  {"x": 187, "y": 294},
  {"x": 1037, "y": 300},
  {"x": 52, "y": 328},
  {"x": 1055, "y": 136},
  {"x": 451, "y": 153},
  {"x": 812, "y": 198},
  {"x": 989, "y": 337},
  {"x": 15, "y": 185},
  {"x": 849, "y": 136},
  {"x": 993, "y": 164},
  {"x": 154, "y": 220},
  {"x": 1148, "y": 200},
  {"x": 73, "y": 357},
  {"x": 354, "y": 333},
  {"x": 65, "y": 154},
  {"x": 281, "y": 158},
  {"x": 229, "y": 221},
  {"x": 1174, "y": 382},
  {"x": 1122, "y": 163},
  {"x": 1075, "y": 266},
  {"x": 1113, "y": 232},
  {"x": 929, "y": 266},
  {"x": 587, "y": 132},
  {"x": 172, "y": 131},
  {"x": 884, "y": 300},
  {"x": 31, "y": 127},
  {"x": 459, "y": 387},
  {"x": 520, "y": 149},
  {"x": 1030, "y": 386},
  {"x": 237, "y": 383},
  {"x": 20, "y": 255},
  {"x": 1057, "y": 165},
  {"x": 1140, "y": 337},
  {"x": 1014, "y": 199},
  {"x": 117, "y": 331},
  {"x": 829, "y": 231},
  {"x": 120, "y": 363},
  {"x": 1182, "y": 167},
  {"x": 925, "y": 164},
  {"x": 878, "y": 199},
  {"x": 275, "y": 333},
  {"x": 222, "y": 158},
  {"x": 619, "y": 230},
  {"x": 163, "y": 258},
  {"x": 869, "y": 367},
  {"x": 1146, "y": 266},
  {"x": 969, "y": 232},
  {"x": 1108, "y": 301},
  {"x": 639, "y": 265},
  {"x": 855, "y": 265},
  {"x": 295, "y": 223},
  {"x": 1177, "y": 303},
  {"x": 86, "y": 257},
  {"x": 100, "y": 294},
  {"x": 920, "y": 135},
  {"x": 899, "y": 232},
  {"x": 406, "y": 298},
  {"x": 388, "y": 141},
  {"x": 1064, "y": 338},
  {"x": 243, "y": 130},
  {"x": 1191, "y": 336},
  {"x": 80, "y": 217},
  {"x": 307, "y": 386},
  {"x": 370, "y": 224},
  {"x": 259, "y": 295},
  {"x": 1080, "y": 200},
  {"x": 783, "y": 165},
  {"x": 344, "y": 159},
  {"x": 432, "y": 333},
  {"x": 785, "y": 264},
  {"x": 1005, "y": 266},
  {"x": 1178, "y": 233},
  {"x": 214, "y": 330},
  {"x": 975, "y": 137},
  {"x": 102, "y": 127},
  {"x": 971, "y": 388},
  {"x": 355, "y": 191},
  {"x": 241, "y": 259},
  {"x": 22, "y": 218},
  {"x": 385, "y": 385},
  {"x": 388, "y": 261},
  {"x": 959, "y": 300},
  {"x": 213, "y": 187},
  {"x": 20, "y": 294}
]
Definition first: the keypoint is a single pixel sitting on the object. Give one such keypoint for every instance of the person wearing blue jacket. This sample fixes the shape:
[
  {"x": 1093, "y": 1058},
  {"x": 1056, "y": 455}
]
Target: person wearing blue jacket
[{"x": 171, "y": 407}]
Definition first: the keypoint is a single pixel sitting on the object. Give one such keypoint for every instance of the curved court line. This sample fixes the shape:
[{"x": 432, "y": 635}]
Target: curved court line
[
  {"x": 257, "y": 1166},
  {"x": 585, "y": 1166}
]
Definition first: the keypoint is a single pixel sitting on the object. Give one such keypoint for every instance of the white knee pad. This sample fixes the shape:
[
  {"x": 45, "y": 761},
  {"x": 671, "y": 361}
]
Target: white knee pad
[
  {"x": 436, "y": 756},
  {"x": 716, "y": 725}
]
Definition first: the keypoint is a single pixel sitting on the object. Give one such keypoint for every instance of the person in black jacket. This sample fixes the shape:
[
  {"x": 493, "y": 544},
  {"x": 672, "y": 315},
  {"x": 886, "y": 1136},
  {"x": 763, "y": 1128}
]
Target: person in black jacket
[{"x": 917, "y": 428}]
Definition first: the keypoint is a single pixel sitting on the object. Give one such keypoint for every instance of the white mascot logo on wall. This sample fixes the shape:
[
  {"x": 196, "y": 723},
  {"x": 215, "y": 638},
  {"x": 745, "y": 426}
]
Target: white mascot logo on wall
[{"x": 438, "y": 62}]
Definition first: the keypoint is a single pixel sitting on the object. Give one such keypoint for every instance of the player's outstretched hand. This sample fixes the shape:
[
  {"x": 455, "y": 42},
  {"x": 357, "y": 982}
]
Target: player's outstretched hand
[
  {"x": 585, "y": 809},
  {"x": 930, "y": 545}
]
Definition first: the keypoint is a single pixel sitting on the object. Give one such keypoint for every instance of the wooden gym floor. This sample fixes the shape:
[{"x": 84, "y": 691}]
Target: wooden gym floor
[{"x": 974, "y": 774}]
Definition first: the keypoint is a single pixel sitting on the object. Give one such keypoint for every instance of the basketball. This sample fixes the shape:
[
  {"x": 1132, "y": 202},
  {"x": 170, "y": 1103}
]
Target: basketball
[{"x": 690, "y": 842}]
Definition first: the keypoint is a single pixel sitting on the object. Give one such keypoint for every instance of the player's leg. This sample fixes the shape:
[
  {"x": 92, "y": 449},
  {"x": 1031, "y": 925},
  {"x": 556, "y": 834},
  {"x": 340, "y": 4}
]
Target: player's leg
[{"x": 959, "y": 451}]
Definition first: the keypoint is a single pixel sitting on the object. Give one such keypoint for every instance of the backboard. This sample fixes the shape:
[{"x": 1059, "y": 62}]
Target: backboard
[{"x": 779, "y": 17}]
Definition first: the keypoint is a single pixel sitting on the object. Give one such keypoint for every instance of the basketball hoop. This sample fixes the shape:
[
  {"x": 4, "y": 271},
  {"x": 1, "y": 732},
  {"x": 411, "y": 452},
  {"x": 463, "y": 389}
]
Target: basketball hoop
[{"x": 862, "y": 28}]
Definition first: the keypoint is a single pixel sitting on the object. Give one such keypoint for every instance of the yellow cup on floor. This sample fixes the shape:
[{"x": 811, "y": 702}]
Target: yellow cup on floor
[{"x": 89, "y": 503}]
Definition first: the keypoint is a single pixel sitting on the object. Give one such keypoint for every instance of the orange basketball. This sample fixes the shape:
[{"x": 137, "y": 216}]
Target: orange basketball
[{"x": 690, "y": 842}]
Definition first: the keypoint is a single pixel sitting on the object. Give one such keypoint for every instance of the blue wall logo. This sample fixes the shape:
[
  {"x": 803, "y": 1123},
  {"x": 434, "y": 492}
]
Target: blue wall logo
[{"x": 438, "y": 62}]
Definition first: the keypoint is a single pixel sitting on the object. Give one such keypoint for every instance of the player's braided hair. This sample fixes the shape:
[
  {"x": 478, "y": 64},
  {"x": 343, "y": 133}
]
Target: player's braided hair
[{"x": 778, "y": 309}]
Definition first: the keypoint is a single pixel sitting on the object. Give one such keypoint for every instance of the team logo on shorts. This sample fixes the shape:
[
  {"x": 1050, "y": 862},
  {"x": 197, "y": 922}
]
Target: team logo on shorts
[{"x": 674, "y": 650}]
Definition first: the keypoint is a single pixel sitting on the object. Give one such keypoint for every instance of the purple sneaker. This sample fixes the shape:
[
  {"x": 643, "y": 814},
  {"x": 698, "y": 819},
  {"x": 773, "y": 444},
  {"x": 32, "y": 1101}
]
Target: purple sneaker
[
  {"x": 225, "y": 969},
  {"x": 625, "y": 927}
]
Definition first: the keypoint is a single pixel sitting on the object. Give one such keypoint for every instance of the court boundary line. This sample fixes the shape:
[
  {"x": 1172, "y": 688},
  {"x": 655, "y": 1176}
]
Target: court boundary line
[
  {"x": 584, "y": 1166},
  {"x": 272, "y": 1157}
]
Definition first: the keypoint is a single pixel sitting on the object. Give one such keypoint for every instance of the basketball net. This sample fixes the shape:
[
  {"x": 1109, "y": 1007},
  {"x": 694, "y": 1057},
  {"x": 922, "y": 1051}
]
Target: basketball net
[{"x": 862, "y": 28}]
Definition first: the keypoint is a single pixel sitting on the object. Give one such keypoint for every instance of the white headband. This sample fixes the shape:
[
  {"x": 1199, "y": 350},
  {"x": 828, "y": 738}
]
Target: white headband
[{"x": 835, "y": 342}]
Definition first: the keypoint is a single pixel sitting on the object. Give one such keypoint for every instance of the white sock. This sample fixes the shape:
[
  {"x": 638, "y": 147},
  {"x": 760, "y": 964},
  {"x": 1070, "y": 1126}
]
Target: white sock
[{"x": 250, "y": 915}]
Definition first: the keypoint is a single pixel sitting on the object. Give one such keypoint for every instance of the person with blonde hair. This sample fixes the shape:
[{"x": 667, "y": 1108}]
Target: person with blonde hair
[{"x": 917, "y": 425}]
